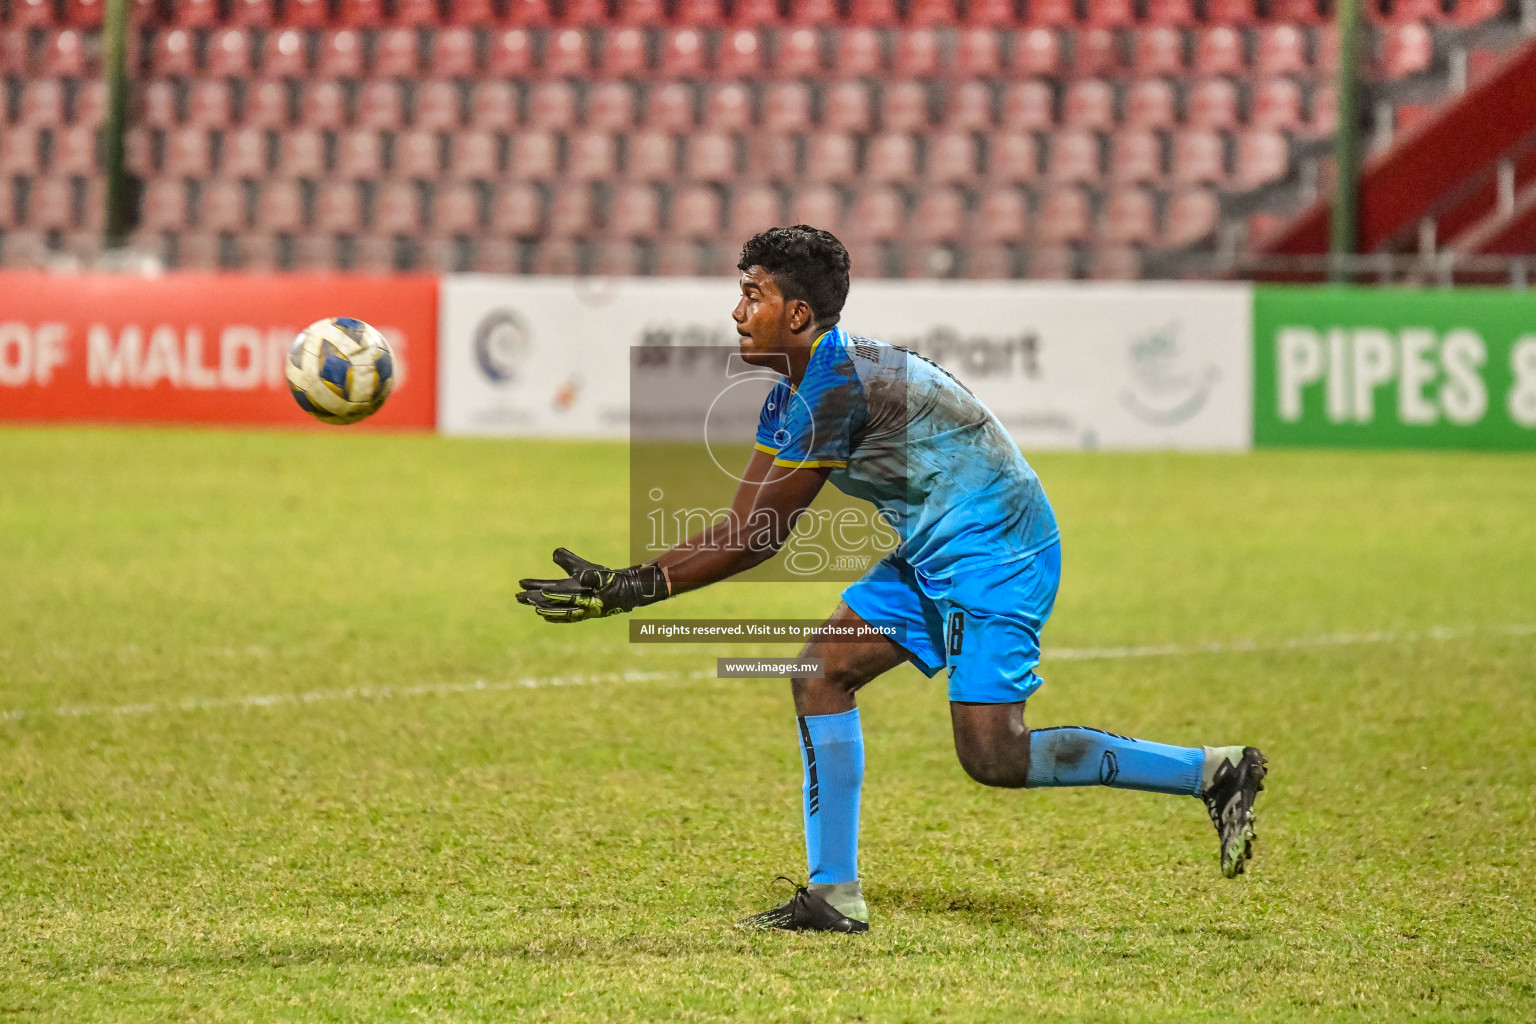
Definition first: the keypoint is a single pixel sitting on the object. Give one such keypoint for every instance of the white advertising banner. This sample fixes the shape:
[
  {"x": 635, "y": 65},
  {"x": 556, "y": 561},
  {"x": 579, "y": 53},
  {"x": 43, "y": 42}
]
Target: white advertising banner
[{"x": 1121, "y": 366}]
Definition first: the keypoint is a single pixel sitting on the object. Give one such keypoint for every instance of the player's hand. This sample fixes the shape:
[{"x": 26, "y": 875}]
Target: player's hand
[{"x": 592, "y": 591}]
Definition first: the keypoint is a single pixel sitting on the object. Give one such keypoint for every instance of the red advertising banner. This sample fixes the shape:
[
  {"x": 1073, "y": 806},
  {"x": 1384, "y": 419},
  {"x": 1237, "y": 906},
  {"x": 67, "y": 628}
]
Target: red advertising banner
[{"x": 198, "y": 348}]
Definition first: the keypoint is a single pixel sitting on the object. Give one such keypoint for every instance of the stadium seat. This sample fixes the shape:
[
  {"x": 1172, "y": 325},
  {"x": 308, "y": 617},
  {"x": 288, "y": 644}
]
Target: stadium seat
[
  {"x": 1096, "y": 54},
  {"x": 1276, "y": 105},
  {"x": 951, "y": 158},
  {"x": 372, "y": 254},
  {"x": 798, "y": 54},
  {"x": 511, "y": 54},
  {"x": 845, "y": 108},
  {"x": 891, "y": 159},
  {"x": 675, "y": 258},
  {"x": 397, "y": 54},
  {"x": 418, "y": 155},
  {"x": 15, "y": 52},
  {"x": 642, "y": 13},
  {"x": 437, "y": 107},
  {"x": 323, "y": 104},
  {"x": 85, "y": 13},
  {"x": 250, "y": 13},
  {"x": 584, "y": 13},
  {"x": 1198, "y": 157},
  {"x": 858, "y": 53},
  {"x": 755, "y": 13},
  {"x": 473, "y": 13},
  {"x": 728, "y": 108},
  {"x": 312, "y": 254},
  {"x": 455, "y": 210},
  {"x": 157, "y": 106},
  {"x": 874, "y": 13},
  {"x": 1150, "y": 103},
  {"x": 615, "y": 258},
  {"x": 416, "y": 13},
  {"x": 753, "y": 208},
  {"x": 904, "y": 107},
  {"x": 591, "y": 156},
  {"x": 1159, "y": 51},
  {"x": 1178, "y": 13},
  {"x": 990, "y": 263},
  {"x": 634, "y": 212},
  {"x": 709, "y": 156},
  {"x": 280, "y": 208},
  {"x": 31, "y": 13},
  {"x": 197, "y": 251},
  {"x": 138, "y": 152},
  {"x": 1028, "y": 107},
  {"x": 682, "y": 54},
  {"x": 1110, "y": 14},
  {"x": 1129, "y": 217},
  {"x": 454, "y": 54},
  {"x": 163, "y": 207},
  {"x": 91, "y": 103},
  {"x": 624, "y": 54},
  {"x": 1279, "y": 50},
  {"x": 1012, "y": 157},
  {"x": 195, "y": 13},
  {"x": 1212, "y": 104},
  {"x": 1089, "y": 104},
  {"x": 819, "y": 206},
  {"x": 552, "y": 107},
  {"x": 695, "y": 213},
  {"x": 1052, "y": 263},
  {"x": 1064, "y": 216},
  {"x": 1074, "y": 157},
  {"x": 1230, "y": 12},
  {"x": 969, "y": 107},
  {"x": 1323, "y": 117},
  {"x": 1002, "y": 215},
  {"x": 879, "y": 215},
  {"x": 1475, "y": 12},
  {"x": 830, "y": 158},
  {"x": 741, "y": 54},
  {"x": 1135, "y": 155},
  {"x": 916, "y": 54},
  {"x": 65, "y": 55},
  {"x": 1298, "y": 12},
  {"x": 492, "y": 106},
  {"x": 978, "y": 53},
  {"x": 932, "y": 13},
  {"x": 257, "y": 254},
  {"x": 1219, "y": 51},
  {"x": 1261, "y": 157},
  {"x": 338, "y": 208},
  {"x": 496, "y": 256},
  {"x": 341, "y": 55},
  {"x": 74, "y": 152},
  {"x": 188, "y": 153},
  {"x": 360, "y": 13},
  {"x": 528, "y": 13},
  {"x": 305, "y": 13},
  {"x": 396, "y": 208},
  {"x": 940, "y": 216},
  {"x": 359, "y": 155},
  {"x": 650, "y": 156},
  {"x": 1115, "y": 263},
  {"x": 773, "y": 157},
  {"x": 284, "y": 55},
  {"x": 229, "y": 54},
  {"x": 244, "y": 154},
  {"x": 221, "y": 207},
  {"x": 266, "y": 105},
  {"x": 380, "y": 106},
  {"x": 1406, "y": 49},
  {"x": 51, "y": 205},
  {"x": 1036, "y": 52},
  {"x": 517, "y": 211},
  {"x": 787, "y": 106},
  {"x": 301, "y": 153},
  {"x": 1191, "y": 217},
  {"x": 571, "y": 211},
  {"x": 173, "y": 54},
  {"x": 815, "y": 13},
  {"x": 669, "y": 107}
]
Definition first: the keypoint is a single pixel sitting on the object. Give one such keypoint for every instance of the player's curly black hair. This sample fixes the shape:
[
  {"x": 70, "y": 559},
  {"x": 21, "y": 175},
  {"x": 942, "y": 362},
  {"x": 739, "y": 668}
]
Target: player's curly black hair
[{"x": 808, "y": 263}]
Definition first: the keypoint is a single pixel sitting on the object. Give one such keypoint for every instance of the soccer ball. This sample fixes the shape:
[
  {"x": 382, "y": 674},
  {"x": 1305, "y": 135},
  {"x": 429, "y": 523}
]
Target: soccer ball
[{"x": 340, "y": 370}]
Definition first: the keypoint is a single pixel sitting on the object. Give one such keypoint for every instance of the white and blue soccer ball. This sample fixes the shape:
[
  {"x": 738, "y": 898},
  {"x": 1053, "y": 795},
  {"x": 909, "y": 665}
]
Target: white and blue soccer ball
[{"x": 340, "y": 370}]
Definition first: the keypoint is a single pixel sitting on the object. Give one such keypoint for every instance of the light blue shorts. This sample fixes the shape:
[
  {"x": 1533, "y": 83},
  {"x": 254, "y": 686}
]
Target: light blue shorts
[{"x": 984, "y": 627}]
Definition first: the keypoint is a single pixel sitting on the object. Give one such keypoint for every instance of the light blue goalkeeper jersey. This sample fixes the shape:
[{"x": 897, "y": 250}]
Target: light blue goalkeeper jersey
[{"x": 904, "y": 434}]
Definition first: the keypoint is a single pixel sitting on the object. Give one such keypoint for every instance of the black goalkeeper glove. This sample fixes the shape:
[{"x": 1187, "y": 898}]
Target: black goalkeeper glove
[{"x": 592, "y": 591}]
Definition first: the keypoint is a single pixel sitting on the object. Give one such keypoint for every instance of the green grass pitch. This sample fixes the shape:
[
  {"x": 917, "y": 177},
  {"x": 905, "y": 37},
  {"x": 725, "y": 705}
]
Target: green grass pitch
[{"x": 184, "y": 835}]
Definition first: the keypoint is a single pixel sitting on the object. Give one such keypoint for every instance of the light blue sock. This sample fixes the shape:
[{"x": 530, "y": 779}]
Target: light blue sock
[
  {"x": 1074, "y": 756},
  {"x": 832, "y": 753}
]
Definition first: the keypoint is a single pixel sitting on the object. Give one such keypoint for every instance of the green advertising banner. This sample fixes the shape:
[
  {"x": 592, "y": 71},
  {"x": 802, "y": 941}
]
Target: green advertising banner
[{"x": 1378, "y": 367}]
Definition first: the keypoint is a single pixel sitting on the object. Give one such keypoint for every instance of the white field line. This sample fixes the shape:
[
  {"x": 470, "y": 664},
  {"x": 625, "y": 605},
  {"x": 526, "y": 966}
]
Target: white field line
[{"x": 383, "y": 693}]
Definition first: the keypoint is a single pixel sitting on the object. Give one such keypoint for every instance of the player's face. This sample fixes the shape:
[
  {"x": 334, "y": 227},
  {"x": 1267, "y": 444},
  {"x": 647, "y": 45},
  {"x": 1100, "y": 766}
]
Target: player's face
[{"x": 761, "y": 318}]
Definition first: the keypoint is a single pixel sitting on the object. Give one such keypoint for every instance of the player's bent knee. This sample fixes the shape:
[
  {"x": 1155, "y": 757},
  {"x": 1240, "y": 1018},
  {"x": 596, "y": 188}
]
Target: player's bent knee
[{"x": 991, "y": 767}]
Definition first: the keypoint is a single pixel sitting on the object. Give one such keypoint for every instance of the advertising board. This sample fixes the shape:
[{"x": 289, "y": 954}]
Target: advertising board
[{"x": 197, "y": 348}]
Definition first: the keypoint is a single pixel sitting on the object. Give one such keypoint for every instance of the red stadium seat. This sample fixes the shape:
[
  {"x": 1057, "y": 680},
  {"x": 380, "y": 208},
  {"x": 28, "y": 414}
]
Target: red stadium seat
[
  {"x": 700, "y": 13},
  {"x": 196, "y": 13},
  {"x": 552, "y": 107},
  {"x": 1012, "y": 157},
  {"x": 610, "y": 107},
  {"x": 798, "y": 54},
  {"x": 1191, "y": 217},
  {"x": 874, "y": 13},
  {"x": 584, "y": 13},
  {"x": 612, "y": 258},
  {"x": 1074, "y": 157},
  {"x": 696, "y": 213},
  {"x": 341, "y": 55},
  {"x": 1028, "y": 107},
  {"x": 845, "y": 108},
  {"x": 1475, "y": 12},
  {"x": 669, "y": 108},
  {"x": 532, "y": 13},
  {"x": 266, "y": 105},
  {"x": 787, "y": 106},
  {"x": 359, "y": 155},
  {"x": 1219, "y": 51},
  {"x": 1406, "y": 49},
  {"x": 417, "y": 13},
  {"x": 1212, "y": 104},
  {"x": 280, "y": 208},
  {"x": 1262, "y": 157},
  {"x": 1111, "y": 13},
  {"x": 496, "y": 256},
  {"x": 904, "y": 107},
  {"x": 64, "y": 55},
  {"x": 728, "y": 108},
  {"x": 1002, "y": 215},
  {"x": 1064, "y": 217},
  {"x": 879, "y": 215},
  {"x": 1097, "y": 54},
  {"x": 511, "y": 54},
  {"x": 188, "y": 153},
  {"x": 245, "y": 154},
  {"x": 306, "y": 13},
  {"x": 755, "y": 13},
  {"x": 301, "y": 154},
  {"x": 1230, "y": 12},
  {"x": 566, "y": 54},
  {"x": 209, "y": 103},
  {"x": 1052, "y": 12},
  {"x": 634, "y": 212},
  {"x": 741, "y": 54},
  {"x": 74, "y": 152},
  {"x": 932, "y": 12},
  {"x": 993, "y": 14},
  {"x": 338, "y": 208},
  {"x": 1150, "y": 104},
  {"x": 455, "y": 210},
  {"x": 397, "y": 208},
  {"x": 816, "y": 13},
  {"x": 518, "y": 211},
  {"x": 916, "y": 54},
  {"x": 222, "y": 206},
  {"x": 642, "y": 13},
  {"x": 437, "y": 107},
  {"x": 939, "y": 217},
  {"x": 591, "y": 156},
  {"x": 952, "y": 158},
  {"x": 454, "y": 54},
  {"x": 472, "y": 13},
  {"x": 82, "y": 13},
  {"x": 978, "y": 53},
  {"x": 1279, "y": 50},
  {"x": 229, "y": 54},
  {"x": 650, "y": 156},
  {"x": 683, "y": 54},
  {"x": 372, "y": 254},
  {"x": 1325, "y": 111},
  {"x": 753, "y": 208},
  {"x": 990, "y": 263},
  {"x": 891, "y": 159},
  {"x": 571, "y": 211},
  {"x": 676, "y": 258},
  {"x": 1135, "y": 155},
  {"x": 15, "y": 56},
  {"x": 138, "y": 152},
  {"x": 163, "y": 207},
  {"x": 492, "y": 106},
  {"x": 157, "y": 105},
  {"x": 1036, "y": 51},
  {"x": 361, "y": 13},
  {"x": 625, "y": 54},
  {"x": 1089, "y": 103},
  {"x": 173, "y": 54},
  {"x": 1115, "y": 263},
  {"x": 1129, "y": 218},
  {"x": 1178, "y": 13},
  {"x": 817, "y": 205},
  {"x": 52, "y": 205},
  {"x": 859, "y": 53},
  {"x": 1198, "y": 157},
  {"x": 773, "y": 156},
  {"x": 1301, "y": 12},
  {"x": 1159, "y": 51},
  {"x": 709, "y": 156},
  {"x": 397, "y": 54},
  {"x": 284, "y": 55},
  {"x": 311, "y": 254},
  {"x": 1276, "y": 105},
  {"x": 418, "y": 155},
  {"x": 380, "y": 106},
  {"x": 969, "y": 107},
  {"x": 31, "y": 13},
  {"x": 91, "y": 103},
  {"x": 323, "y": 104},
  {"x": 830, "y": 158},
  {"x": 258, "y": 253}
]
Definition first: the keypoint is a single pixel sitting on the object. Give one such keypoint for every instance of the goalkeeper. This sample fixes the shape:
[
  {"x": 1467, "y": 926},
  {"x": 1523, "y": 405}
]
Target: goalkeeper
[{"x": 969, "y": 587}]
